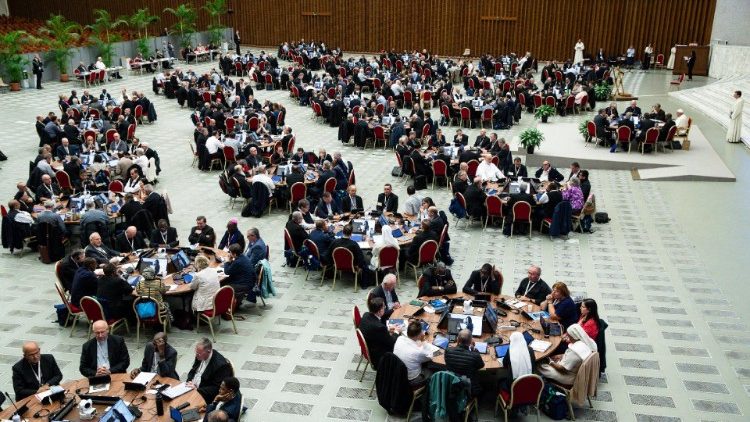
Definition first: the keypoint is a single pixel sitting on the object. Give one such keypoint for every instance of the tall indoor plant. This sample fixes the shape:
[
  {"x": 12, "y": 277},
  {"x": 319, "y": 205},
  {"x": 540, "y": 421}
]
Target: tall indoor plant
[
  {"x": 185, "y": 25},
  {"x": 215, "y": 9},
  {"x": 103, "y": 39},
  {"x": 544, "y": 112},
  {"x": 531, "y": 138},
  {"x": 141, "y": 20},
  {"x": 61, "y": 34},
  {"x": 11, "y": 59}
]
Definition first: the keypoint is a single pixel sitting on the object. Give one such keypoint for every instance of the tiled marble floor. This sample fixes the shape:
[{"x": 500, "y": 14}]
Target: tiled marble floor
[{"x": 678, "y": 347}]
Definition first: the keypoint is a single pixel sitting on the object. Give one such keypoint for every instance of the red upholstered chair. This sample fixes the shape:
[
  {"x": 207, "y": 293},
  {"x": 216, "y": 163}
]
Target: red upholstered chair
[
  {"x": 537, "y": 101},
  {"x": 206, "y": 97},
  {"x": 521, "y": 214},
  {"x": 352, "y": 178},
  {"x": 472, "y": 171},
  {"x": 161, "y": 317},
  {"x": 139, "y": 114},
  {"x": 94, "y": 312},
  {"x": 388, "y": 258},
  {"x": 440, "y": 170},
  {"x": 110, "y": 136},
  {"x": 462, "y": 202},
  {"x": 342, "y": 72},
  {"x": 63, "y": 179},
  {"x": 427, "y": 255},
  {"x": 364, "y": 355},
  {"x": 507, "y": 86},
  {"x": 494, "y": 209},
  {"x": 116, "y": 186},
  {"x": 678, "y": 81},
  {"x": 289, "y": 246},
  {"x": 487, "y": 117},
  {"x": 659, "y": 60},
  {"x": 131, "y": 132},
  {"x": 229, "y": 124},
  {"x": 356, "y": 316},
  {"x": 331, "y": 93},
  {"x": 379, "y": 109},
  {"x": 591, "y": 130},
  {"x": 229, "y": 157},
  {"x": 377, "y": 84},
  {"x": 426, "y": 99},
  {"x": 312, "y": 158},
  {"x": 652, "y": 136},
  {"x": 526, "y": 390},
  {"x": 317, "y": 111},
  {"x": 379, "y": 134},
  {"x": 74, "y": 312},
  {"x": 238, "y": 69},
  {"x": 558, "y": 76},
  {"x": 290, "y": 145},
  {"x": 313, "y": 248},
  {"x": 446, "y": 112},
  {"x": 570, "y": 104},
  {"x": 94, "y": 113},
  {"x": 269, "y": 81},
  {"x": 330, "y": 185},
  {"x": 465, "y": 116},
  {"x": 223, "y": 304},
  {"x": 297, "y": 191},
  {"x": 253, "y": 123},
  {"x": 408, "y": 98},
  {"x": 522, "y": 99},
  {"x": 670, "y": 138},
  {"x": 343, "y": 260},
  {"x": 584, "y": 103},
  {"x": 91, "y": 78},
  {"x": 623, "y": 136},
  {"x": 550, "y": 101}
]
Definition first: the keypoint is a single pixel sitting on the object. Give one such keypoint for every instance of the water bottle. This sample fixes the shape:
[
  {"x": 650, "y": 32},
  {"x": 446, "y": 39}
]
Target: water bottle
[
  {"x": 469, "y": 324},
  {"x": 16, "y": 418},
  {"x": 159, "y": 404}
]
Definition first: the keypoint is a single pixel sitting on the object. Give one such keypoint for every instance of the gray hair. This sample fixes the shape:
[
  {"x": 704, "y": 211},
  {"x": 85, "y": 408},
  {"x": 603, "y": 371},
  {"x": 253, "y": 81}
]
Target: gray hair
[
  {"x": 254, "y": 231},
  {"x": 296, "y": 216},
  {"x": 464, "y": 337},
  {"x": 574, "y": 181},
  {"x": 389, "y": 278},
  {"x": 204, "y": 343}
]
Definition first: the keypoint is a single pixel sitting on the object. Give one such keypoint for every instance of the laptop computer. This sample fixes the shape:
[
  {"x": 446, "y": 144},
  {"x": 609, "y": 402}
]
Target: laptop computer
[
  {"x": 359, "y": 227},
  {"x": 501, "y": 350},
  {"x": 189, "y": 415},
  {"x": 550, "y": 328},
  {"x": 482, "y": 296},
  {"x": 119, "y": 412},
  {"x": 180, "y": 260}
]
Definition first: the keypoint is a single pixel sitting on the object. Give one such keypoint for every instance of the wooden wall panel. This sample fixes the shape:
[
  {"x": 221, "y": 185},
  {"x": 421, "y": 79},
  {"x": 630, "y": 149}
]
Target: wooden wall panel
[{"x": 549, "y": 29}]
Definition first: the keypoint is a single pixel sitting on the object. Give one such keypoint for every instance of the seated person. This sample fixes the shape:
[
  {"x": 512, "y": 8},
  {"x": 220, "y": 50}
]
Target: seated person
[
  {"x": 380, "y": 338},
  {"x": 548, "y": 173},
  {"x": 483, "y": 281},
  {"x": 241, "y": 275},
  {"x": 589, "y": 319},
  {"x": 560, "y": 305},
  {"x": 352, "y": 202},
  {"x": 210, "y": 369},
  {"x": 475, "y": 199},
  {"x": 69, "y": 266},
  {"x": 229, "y": 400},
  {"x": 438, "y": 281},
  {"x": 563, "y": 368},
  {"x": 35, "y": 373},
  {"x": 423, "y": 235},
  {"x": 114, "y": 293},
  {"x": 520, "y": 359},
  {"x": 202, "y": 234},
  {"x": 345, "y": 241},
  {"x": 99, "y": 251},
  {"x": 231, "y": 236},
  {"x": 164, "y": 236},
  {"x": 47, "y": 189},
  {"x": 533, "y": 288},
  {"x": 517, "y": 169},
  {"x": 387, "y": 201},
  {"x": 464, "y": 360},
  {"x": 488, "y": 171},
  {"x": 85, "y": 282},
  {"x": 321, "y": 237},
  {"x": 129, "y": 240},
  {"x": 153, "y": 287},
  {"x": 410, "y": 349},
  {"x": 387, "y": 292},
  {"x": 104, "y": 354},
  {"x": 297, "y": 233},
  {"x": 158, "y": 357},
  {"x": 327, "y": 208},
  {"x": 386, "y": 240}
]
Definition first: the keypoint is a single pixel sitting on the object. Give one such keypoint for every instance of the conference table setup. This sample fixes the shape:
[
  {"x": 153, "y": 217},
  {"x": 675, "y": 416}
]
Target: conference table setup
[
  {"x": 494, "y": 318},
  {"x": 115, "y": 397},
  {"x": 90, "y": 77},
  {"x": 404, "y": 229}
]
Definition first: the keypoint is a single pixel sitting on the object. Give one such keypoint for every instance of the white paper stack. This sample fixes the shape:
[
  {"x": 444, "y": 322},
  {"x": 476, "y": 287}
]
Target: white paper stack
[{"x": 540, "y": 345}]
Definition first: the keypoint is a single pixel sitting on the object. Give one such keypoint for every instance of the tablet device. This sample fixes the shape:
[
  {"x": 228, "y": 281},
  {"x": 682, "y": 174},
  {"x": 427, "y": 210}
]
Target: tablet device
[
  {"x": 501, "y": 350},
  {"x": 441, "y": 341},
  {"x": 480, "y": 347}
]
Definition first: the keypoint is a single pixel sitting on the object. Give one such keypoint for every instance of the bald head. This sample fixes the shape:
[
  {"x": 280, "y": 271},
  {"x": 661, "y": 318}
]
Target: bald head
[
  {"x": 31, "y": 352},
  {"x": 464, "y": 337},
  {"x": 101, "y": 330}
]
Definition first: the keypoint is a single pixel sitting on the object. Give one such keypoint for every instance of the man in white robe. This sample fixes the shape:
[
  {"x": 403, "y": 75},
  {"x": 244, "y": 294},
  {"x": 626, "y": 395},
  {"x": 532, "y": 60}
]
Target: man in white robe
[{"x": 734, "y": 132}]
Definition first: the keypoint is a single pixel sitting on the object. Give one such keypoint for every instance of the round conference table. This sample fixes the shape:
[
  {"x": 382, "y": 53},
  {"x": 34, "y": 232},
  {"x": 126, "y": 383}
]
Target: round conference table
[
  {"x": 116, "y": 389},
  {"x": 489, "y": 358},
  {"x": 369, "y": 242}
]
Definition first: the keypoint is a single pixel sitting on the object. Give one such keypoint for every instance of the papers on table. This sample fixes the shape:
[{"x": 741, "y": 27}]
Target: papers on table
[
  {"x": 52, "y": 390},
  {"x": 172, "y": 287},
  {"x": 144, "y": 378},
  {"x": 516, "y": 303},
  {"x": 98, "y": 388},
  {"x": 431, "y": 348},
  {"x": 177, "y": 390},
  {"x": 540, "y": 345},
  {"x": 364, "y": 244}
]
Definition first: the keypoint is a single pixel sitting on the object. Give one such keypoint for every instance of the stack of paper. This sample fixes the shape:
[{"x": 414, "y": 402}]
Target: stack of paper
[
  {"x": 540, "y": 345},
  {"x": 144, "y": 378}
]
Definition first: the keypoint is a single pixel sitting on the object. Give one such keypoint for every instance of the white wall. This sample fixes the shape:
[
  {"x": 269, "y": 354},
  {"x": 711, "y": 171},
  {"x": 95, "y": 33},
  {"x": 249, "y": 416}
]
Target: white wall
[{"x": 731, "y": 22}]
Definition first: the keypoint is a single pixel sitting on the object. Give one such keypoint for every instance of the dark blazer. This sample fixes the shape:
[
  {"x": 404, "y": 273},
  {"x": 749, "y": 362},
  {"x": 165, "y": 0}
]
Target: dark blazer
[
  {"x": 256, "y": 252},
  {"x": 463, "y": 140},
  {"x": 538, "y": 292},
  {"x": 645, "y": 125},
  {"x": 207, "y": 236},
  {"x": 412, "y": 254},
  {"x": 346, "y": 203},
  {"x": 156, "y": 205},
  {"x": 379, "y": 340},
  {"x": 297, "y": 233},
  {"x": 85, "y": 283},
  {"x": 232, "y": 237},
  {"x": 321, "y": 211},
  {"x": 119, "y": 359},
  {"x": 123, "y": 245},
  {"x": 239, "y": 271},
  {"x": 554, "y": 175},
  {"x": 380, "y": 292},
  {"x": 322, "y": 240},
  {"x": 233, "y": 408},
  {"x": 25, "y": 382},
  {"x": 664, "y": 131},
  {"x": 68, "y": 270},
  {"x": 474, "y": 284},
  {"x": 391, "y": 205},
  {"x": 166, "y": 367},
  {"x": 475, "y": 201},
  {"x": 216, "y": 370},
  {"x": 521, "y": 171},
  {"x": 156, "y": 238},
  {"x": 433, "y": 281},
  {"x": 60, "y": 151},
  {"x": 482, "y": 142},
  {"x": 343, "y": 242}
]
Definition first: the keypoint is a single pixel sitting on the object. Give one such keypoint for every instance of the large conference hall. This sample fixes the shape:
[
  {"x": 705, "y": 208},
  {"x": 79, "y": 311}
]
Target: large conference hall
[{"x": 326, "y": 210}]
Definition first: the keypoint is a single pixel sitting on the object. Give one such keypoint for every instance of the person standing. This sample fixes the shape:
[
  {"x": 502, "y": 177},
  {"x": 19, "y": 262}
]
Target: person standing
[
  {"x": 672, "y": 53},
  {"x": 578, "y": 58},
  {"x": 690, "y": 65},
  {"x": 647, "y": 52},
  {"x": 37, "y": 69},
  {"x": 237, "y": 42},
  {"x": 734, "y": 134}
]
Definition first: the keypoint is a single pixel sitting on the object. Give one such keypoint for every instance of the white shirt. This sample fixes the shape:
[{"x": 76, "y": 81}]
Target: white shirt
[
  {"x": 413, "y": 354},
  {"x": 142, "y": 162},
  {"x": 266, "y": 180},
  {"x": 100, "y": 65},
  {"x": 544, "y": 177},
  {"x": 213, "y": 144},
  {"x": 681, "y": 121},
  {"x": 199, "y": 372},
  {"x": 132, "y": 185},
  {"x": 489, "y": 171}
]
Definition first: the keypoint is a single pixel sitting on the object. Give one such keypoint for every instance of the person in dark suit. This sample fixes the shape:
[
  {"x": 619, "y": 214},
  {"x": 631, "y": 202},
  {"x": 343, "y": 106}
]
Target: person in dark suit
[
  {"x": 482, "y": 281},
  {"x": 387, "y": 291},
  {"x": 423, "y": 235},
  {"x": 130, "y": 208},
  {"x": 232, "y": 235},
  {"x": 297, "y": 233},
  {"x": 469, "y": 155},
  {"x": 645, "y": 124},
  {"x": 664, "y": 131},
  {"x": 65, "y": 149},
  {"x": 634, "y": 109},
  {"x": 346, "y": 242},
  {"x": 475, "y": 197},
  {"x": 240, "y": 274},
  {"x": 422, "y": 165},
  {"x": 483, "y": 141},
  {"x": 104, "y": 354},
  {"x": 209, "y": 369},
  {"x": 202, "y": 234},
  {"x": 228, "y": 401},
  {"x": 690, "y": 65},
  {"x": 517, "y": 169},
  {"x": 34, "y": 373},
  {"x": 438, "y": 281},
  {"x": 129, "y": 240},
  {"x": 84, "y": 282},
  {"x": 548, "y": 173},
  {"x": 533, "y": 288},
  {"x": 464, "y": 360},
  {"x": 352, "y": 202},
  {"x": 327, "y": 207},
  {"x": 460, "y": 139},
  {"x": 38, "y": 70},
  {"x": 155, "y": 204},
  {"x": 380, "y": 339},
  {"x": 115, "y": 294},
  {"x": 602, "y": 123},
  {"x": 387, "y": 201},
  {"x": 98, "y": 250},
  {"x": 321, "y": 237},
  {"x": 68, "y": 268},
  {"x": 164, "y": 235},
  {"x": 627, "y": 120},
  {"x": 256, "y": 248},
  {"x": 158, "y": 357}
]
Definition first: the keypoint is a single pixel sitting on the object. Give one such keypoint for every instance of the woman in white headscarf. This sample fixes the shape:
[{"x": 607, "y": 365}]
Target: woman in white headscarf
[
  {"x": 520, "y": 358},
  {"x": 386, "y": 239},
  {"x": 563, "y": 368}
]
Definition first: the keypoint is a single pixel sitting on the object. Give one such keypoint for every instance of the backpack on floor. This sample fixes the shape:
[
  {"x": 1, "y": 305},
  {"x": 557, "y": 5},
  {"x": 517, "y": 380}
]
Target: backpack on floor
[{"x": 601, "y": 218}]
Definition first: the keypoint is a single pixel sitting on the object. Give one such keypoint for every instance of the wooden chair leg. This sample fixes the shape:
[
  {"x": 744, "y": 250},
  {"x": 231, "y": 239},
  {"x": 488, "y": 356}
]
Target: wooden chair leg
[
  {"x": 211, "y": 326},
  {"x": 364, "y": 371},
  {"x": 372, "y": 388}
]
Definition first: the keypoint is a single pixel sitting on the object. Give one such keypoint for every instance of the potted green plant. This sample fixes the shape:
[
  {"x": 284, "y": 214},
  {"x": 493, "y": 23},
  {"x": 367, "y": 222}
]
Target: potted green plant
[
  {"x": 11, "y": 59},
  {"x": 531, "y": 138},
  {"x": 61, "y": 36},
  {"x": 102, "y": 38},
  {"x": 215, "y": 9},
  {"x": 141, "y": 19},
  {"x": 185, "y": 25},
  {"x": 543, "y": 112},
  {"x": 583, "y": 129},
  {"x": 602, "y": 91}
]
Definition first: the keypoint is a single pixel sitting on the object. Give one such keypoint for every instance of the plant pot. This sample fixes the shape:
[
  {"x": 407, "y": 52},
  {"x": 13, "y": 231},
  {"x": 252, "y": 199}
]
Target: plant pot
[
  {"x": 530, "y": 150},
  {"x": 544, "y": 119},
  {"x": 15, "y": 86},
  {"x": 63, "y": 77}
]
